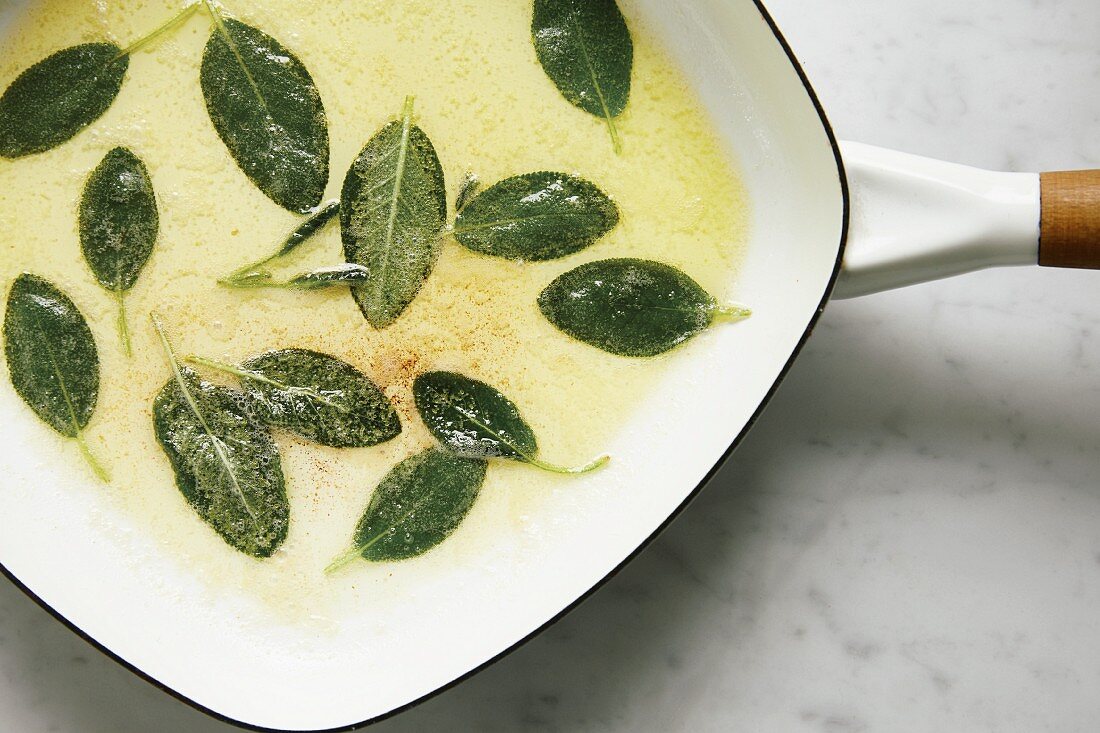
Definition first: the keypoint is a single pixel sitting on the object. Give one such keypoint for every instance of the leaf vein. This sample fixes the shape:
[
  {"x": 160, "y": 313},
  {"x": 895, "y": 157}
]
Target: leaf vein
[
  {"x": 399, "y": 174},
  {"x": 593, "y": 77},
  {"x": 219, "y": 445},
  {"x": 235, "y": 50}
]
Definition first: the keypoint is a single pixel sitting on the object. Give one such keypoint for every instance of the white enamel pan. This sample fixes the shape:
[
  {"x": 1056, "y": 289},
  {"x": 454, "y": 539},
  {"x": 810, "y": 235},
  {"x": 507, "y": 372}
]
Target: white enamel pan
[{"x": 851, "y": 216}]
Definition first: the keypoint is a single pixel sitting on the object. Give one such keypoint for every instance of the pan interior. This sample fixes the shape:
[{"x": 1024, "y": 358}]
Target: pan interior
[{"x": 226, "y": 655}]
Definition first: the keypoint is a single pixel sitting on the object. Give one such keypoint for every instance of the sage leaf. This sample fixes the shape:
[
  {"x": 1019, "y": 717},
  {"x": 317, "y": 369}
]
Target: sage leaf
[
  {"x": 59, "y": 96},
  {"x": 226, "y": 463},
  {"x": 52, "y": 359},
  {"x": 631, "y": 307},
  {"x": 118, "y": 219},
  {"x": 416, "y": 506},
  {"x": 316, "y": 396},
  {"x": 304, "y": 231},
  {"x": 267, "y": 111},
  {"x": 392, "y": 211},
  {"x": 327, "y": 277},
  {"x": 536, "y": 216},
  {"x": 333, "y": 276},
  {"x": 118, "y": 225},
  {"x": 315, "y": 222},
  {"x": 584, "y": 46},
  {"x": 471, "y": 184},
  {"x": 473, "y": 419}
]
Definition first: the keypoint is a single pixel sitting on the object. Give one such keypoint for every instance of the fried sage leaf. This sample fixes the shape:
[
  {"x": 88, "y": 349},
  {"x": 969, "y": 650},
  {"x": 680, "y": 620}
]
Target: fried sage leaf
[
  {"x": 328, "y": 277},
  {"x": 392, "y": 211},
  {"x": 316, "y": 396},
  {"x": 52, "y": 358},
  {"x": 59, "y": 96},
  {"x": 321, "y": 278},
  {"x": 536, "y": 216},
  {"x": 585, "y": 48},
  {"x": 418, "y": 505},
  {"x": 267, "y": 110},
  {"x": 304, "y": 232},
  {"x": 226, "y": 463},
  {"x": 471, "y": 184},
  {"x": 631, "y": 307},
  {"x": 118, "y": 225},
  {"x": 473, "y": 419}
]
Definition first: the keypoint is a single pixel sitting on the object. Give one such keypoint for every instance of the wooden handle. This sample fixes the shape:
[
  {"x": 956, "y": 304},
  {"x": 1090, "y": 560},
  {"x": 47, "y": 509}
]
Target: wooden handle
[{"x": 1069, "y": 231}]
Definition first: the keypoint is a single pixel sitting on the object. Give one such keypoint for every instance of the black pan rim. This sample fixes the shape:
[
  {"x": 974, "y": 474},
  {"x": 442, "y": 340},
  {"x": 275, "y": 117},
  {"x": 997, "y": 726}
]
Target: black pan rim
[{"x": 845, "y": 215}]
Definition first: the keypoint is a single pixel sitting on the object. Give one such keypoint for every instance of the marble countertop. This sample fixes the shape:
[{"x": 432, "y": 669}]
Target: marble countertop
[{"x": 909, "y": 540}]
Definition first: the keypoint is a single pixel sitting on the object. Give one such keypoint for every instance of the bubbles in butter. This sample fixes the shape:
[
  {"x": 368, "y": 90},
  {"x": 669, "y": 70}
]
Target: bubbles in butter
[{"x": 488, "y": 108}]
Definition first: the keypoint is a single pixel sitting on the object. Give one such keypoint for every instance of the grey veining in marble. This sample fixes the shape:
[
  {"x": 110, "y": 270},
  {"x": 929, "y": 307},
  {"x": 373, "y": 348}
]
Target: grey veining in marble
[{"x": 910, "y": 538}]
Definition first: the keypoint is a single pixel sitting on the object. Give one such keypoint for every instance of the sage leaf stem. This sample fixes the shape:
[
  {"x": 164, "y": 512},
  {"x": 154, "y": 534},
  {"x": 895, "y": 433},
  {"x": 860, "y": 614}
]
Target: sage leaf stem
[
  {"x": 177, "y": 19},
  {"x": 120, "y": 322},
  {"x": 731, "y": 313},
  {"x": 90, "y": 458},
  {"x": 594, "y": 465}
]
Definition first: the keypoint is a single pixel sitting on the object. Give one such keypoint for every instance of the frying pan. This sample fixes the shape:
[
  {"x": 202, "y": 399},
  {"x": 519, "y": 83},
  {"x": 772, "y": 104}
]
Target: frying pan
[{"x": 268, "y": 676}]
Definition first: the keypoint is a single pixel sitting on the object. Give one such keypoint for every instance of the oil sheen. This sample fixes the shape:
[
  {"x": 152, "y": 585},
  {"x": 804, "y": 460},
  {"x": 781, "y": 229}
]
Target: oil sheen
[{"x": 487, "y": 106}]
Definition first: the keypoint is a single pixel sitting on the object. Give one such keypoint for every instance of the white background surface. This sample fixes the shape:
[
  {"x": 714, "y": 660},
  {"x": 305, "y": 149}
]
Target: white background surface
[{"x": 909, "y": 540}]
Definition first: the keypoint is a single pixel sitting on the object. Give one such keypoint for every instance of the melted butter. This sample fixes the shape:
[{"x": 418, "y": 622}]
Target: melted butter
[{"x": 487, "y": 106}]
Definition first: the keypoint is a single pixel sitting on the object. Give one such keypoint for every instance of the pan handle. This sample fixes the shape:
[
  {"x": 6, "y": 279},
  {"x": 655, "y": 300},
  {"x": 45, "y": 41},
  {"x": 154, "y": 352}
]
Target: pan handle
[
  {"x": 1069, "y": 232},
  {"x": 915, "y": 219}
]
